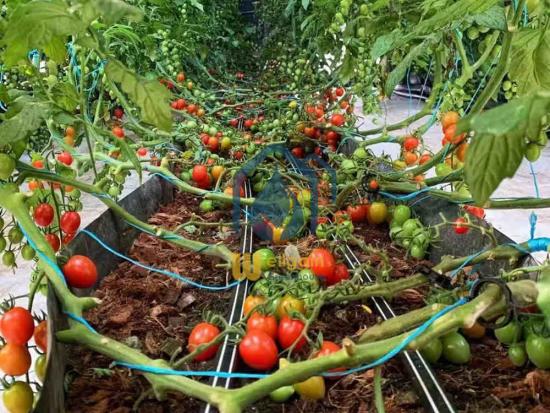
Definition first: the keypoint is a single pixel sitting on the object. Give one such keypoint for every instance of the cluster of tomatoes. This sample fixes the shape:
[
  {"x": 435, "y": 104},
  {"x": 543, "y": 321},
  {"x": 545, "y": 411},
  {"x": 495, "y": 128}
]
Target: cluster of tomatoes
[
  {"x": 411, "y": 152},
  {"x": 214, "y": 140},
  {"x": 69, "y": 222},
  {"x": 17, "y": 328},
  {"x": 190, "y": 108}
]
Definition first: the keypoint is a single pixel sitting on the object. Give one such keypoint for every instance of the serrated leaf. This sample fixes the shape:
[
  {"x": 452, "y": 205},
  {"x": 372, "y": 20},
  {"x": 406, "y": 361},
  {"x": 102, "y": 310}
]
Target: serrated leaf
[
  {"x": 498, "y": 146},
  {"x": 149, "y": 95},
  {"x": 130, "y": 155},
  {"x": 23, "y": 117},
  {"x": 385, "y": 43},
  {"x": 493, "y": 18},
  {"x": 346, "y": 70},
  {"x": 65, "y": 96},
  {"x": 398, "y": 73},
  {"x": 110, "y": 11},
  {"x": 530, "y": 67},
  {"x": 56, "y": 49},
  {"x": 38, "y": 25}
]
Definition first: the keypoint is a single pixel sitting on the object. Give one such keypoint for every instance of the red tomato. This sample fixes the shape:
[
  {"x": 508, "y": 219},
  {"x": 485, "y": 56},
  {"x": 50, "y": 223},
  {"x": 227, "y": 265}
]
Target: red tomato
[
  {"x": 288, "y": 332},
  {"x": 373, "y": 185},
  {"x": 475, "y": 211},
  {"x": 192, "y": 108},
  {"x": 213, "y": 144},
  {"x": 118, "y": 132},
  {"x": 340, "y": 91},
  {"x": 234, "y": 122},
  {"x": 258, "y": 350},
  {"x": 200, "y": 173},
  {"x": 309, "y": 132},
  {"x": 180, "y": 104},
  {"x": 327, "y": 348},
  {"x": 65, "y": 158},
  {"x": 43, "y": 214},
  {"x": 459, "y": 228},
  {"x": 17, "y": 326},
  {"x": 67, "y": 238},
  {"x": 41, "y": 335},
  {"x": 80, "y": 272},
  {"x": 39, "y": 163},
  {"x": 337, "y": 119},
  {"x": 142, "y": 151},
  {"x": 248, "y": 123},
  {"x": 341, "y": 273},
  {"x": 238, "y": 155},
  {"x": 298, "y": 152},
  {"x": 118, "y": 112},
  {"x": 70, "y": 221},
  {"x": 203, "y": 333},
  {"x": 410, "y": 143},
  {"x": 321, "y": 262},
  {"x": 206, "y": 184},
  {"x": 356, "y": 213},
  {"x": 53, "y": 240},
  {"x": 265, "y": 323},
  {"x": 174, "y": 104}
]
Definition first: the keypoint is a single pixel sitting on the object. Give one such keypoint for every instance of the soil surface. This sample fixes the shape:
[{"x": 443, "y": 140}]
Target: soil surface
[{"x": 156, "y": 314}]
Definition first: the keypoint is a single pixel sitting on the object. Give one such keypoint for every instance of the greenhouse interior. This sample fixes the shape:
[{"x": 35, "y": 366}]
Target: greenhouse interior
[{"x": 275, "y": 206}]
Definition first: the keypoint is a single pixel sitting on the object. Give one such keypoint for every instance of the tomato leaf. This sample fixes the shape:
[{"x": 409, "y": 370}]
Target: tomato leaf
[
  {"x": 499, "y": 143},
  {"x": 493, "y": 18},
  {"x": 23, "y": 117},
  {"x": 398, "y": 73},
  {"x": 346, "y": 70},
  {"x": 39, "y": 25},
  {"x": 65, "y": 95},
  {"x": 305, "y": 4},
  {"x": 151, "y": 97},
  {"x": 110, "y": 11},
  {"x": 531, "y": 60},
  {"x": 130, "y": 154}
]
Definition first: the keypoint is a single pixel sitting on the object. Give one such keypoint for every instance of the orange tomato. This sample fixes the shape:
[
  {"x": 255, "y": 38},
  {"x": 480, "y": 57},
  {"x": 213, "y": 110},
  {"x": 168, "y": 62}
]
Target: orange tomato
[
  {"x": 410, "y": 158},
  {"x": 251, "y": 302},
  {"x": 15, "y": 360},
  {"x": 475, "y": 331},
  {"x": 217, "y": 171},
  {"x": 70, "y": 131},
  {"x": 424, "y": 158},
  {"x": 462, "y": 151},
  {"x": 69, "y": 140},
  {"x": 448, "y": 119}
]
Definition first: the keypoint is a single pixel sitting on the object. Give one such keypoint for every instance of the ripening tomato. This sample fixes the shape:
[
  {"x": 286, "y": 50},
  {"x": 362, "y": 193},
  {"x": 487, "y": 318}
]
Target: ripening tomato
[
  {"x": 356, "y": 213},
  {"x": 264, "y": 322},
  {"x": 288, "y": 332},
  {"x": 289, "y": 304},
  {"x": 251, "y": 302},
  {"x": 80, "y": 272},
  {"x": 38, "y": 163},
  {"x": 15, "y": 360},
  {"x": 192, "y": 108},
  {"x": 459, "y": 226},
  {"x": 200, "y": 173},
  {"x": 448, "y": 119},
  {"x": 41, "y": 335},
  {"x": 53, "y": 240},
  {"x": 34, "y": 185},
  {"x": 213, "y": 144},
  {"x": 217, "y": 171},
  {"x": 118, "y": 132},
  {"x": 410, "y": 143},
  {"x": 142, "y": 151},
  {"x": 203, "y": 333},
  {"x": 65, "y": 158},
  {"x": 118, "y": 112},
  {"x": 43, "y": 214},
  {"x": 17, "y": 326},
  {"x": 18, "y": 397},
  {"x": 410, "y": 158},
  {"x": 298, "y": 152},
  {"x": 248, "y": 123},
  {"x": 462, "y": 151},
  {"x": 321, "y": 262},
  {"x": 424, "y": 158},
  {"x": 70, "y": 222},
  {"x": 258, "y": 350},
  {"x": 341, "y": 272},
  {"x": 180, "y": 78},
  {"x": 337, "y": 119},
  {"x": 327, "y": 348}
]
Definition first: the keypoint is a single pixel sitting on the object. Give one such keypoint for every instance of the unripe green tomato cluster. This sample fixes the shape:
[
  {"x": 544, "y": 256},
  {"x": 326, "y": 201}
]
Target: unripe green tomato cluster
[{"x": 409, "y": 232}]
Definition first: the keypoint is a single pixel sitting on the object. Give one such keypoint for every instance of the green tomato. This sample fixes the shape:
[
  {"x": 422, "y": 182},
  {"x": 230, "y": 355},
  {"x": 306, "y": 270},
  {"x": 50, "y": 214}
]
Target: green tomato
[
  {"x": 517, "y": 355},
  {"x": 321, "y": 231},
  {"x": 538, "y": 350},
  {"x": 7, "y": 165},
  {"x": 509, "y": 334},
  {"x": 3, "y": 243},
  {"x": 456, "y": 348},
  {"x": 15, "y": 235},
  {"x": 18, "y": 398},
  {"x": 443, "y": 169},
  {"x": 40, "y": 368},
  {"x": 304, "y": 197},
  {"x": 401, "y": 213},
  {"x": 185, "y": 176},
  {"x": 265, "y": 258},
  {"x": 432, "y": 351},
  {"x": 532, "y": 152},
  {"x": 348, "y": 166},
  {"x": 114, "y": 191},
  {"x": 394, "y": 231},
  {"x": 360, "y": 153},
  {"x": 28, "y": 252},
  {"x": 506, "y": 85},
  {"x": 282, "y": 394},
  {"x": 409, "y": 226},
  {"x": 8, "y": 259},
  {"x": 472, "y": 33},
  {"x": 206, "y": 206},
  {"x": 417, "y": 252}
]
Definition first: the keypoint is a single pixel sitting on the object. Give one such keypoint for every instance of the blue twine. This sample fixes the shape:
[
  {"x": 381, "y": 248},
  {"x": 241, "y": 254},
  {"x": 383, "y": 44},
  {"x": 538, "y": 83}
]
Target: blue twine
[
  {"x": 158, "y": 270},
  {"x": 466, "y": 262},
  {"x": 533, "y": 217},
  {"x": 538, "y": 244},
  {"x": 43, "y": 256},
  {"x": 406, "y": 197},
  {"x": 170, "y": 372},
  {"x": 82, "y": 321}
]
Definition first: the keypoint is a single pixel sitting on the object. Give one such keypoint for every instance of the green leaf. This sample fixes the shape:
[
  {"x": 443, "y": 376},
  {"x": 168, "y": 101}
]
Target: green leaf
[
  {"x": 197, "y": 5},
  {"x": 23, "y": 117},
  {"x": 346, "y": 70},
  {"x": 65, "y": 95},
  {"x": 39, "y": 25},
  {"x": 398, "y": 73},
  {"x": 130, "y": 155},
  {"x": 498, "y": 146},
  {"x": 385, "y": 43},
  {"x": 56, "y": 49},
  {"x": 110, "y": 11},
  {"x": 530, "y": 67},
  {"x": 149, "y": 95},
  {"x": 543, "y": 298},
  {"x": 305, "y": 4},
  {"x": 493, "y": 18}
]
